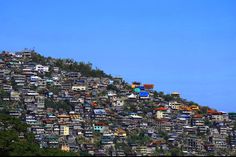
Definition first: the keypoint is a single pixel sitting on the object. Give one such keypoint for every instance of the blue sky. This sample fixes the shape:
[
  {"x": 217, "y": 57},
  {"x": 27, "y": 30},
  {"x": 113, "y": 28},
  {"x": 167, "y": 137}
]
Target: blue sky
[{"x": 179, "y": 45}]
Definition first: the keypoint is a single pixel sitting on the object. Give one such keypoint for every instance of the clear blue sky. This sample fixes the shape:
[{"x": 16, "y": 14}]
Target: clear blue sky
[{"x": 179, "y": 45}]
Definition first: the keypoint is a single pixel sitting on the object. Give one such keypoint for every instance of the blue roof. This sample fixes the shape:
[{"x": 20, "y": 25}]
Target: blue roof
[
  {"x": 144, "y": 94},
  {"x": 99, "y": 111},
  {"x": 141, "y": 87},
  {"x": 185, "y": 116}
]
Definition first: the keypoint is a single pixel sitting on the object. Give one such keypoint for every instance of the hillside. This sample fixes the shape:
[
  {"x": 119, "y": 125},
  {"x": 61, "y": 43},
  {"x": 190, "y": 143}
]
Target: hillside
[{"x": 69, "y": 108}]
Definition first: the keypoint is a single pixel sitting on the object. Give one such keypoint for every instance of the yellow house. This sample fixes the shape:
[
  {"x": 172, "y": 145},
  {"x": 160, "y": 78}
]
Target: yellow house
[
  {"x": 64, "y": 130},
  {"x": 74, "y": 116},
  {"x": 160, "y": 112},
  {"x": 63, "y": 116},
  {"x": 65, "y": 148},
  {"x": 120, "y": 133},
  {"x": 194, "y": 107},
  {"x": 159, "y": 115},
  {"x": 135, "y": 84}
]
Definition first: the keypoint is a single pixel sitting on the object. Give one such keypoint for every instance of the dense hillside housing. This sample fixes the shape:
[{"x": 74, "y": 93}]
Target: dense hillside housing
[{"x": 70, "y": 106}]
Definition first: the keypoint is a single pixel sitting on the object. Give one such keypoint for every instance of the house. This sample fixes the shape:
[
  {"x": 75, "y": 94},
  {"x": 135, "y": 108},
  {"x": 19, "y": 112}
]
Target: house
[
  {"x": 197, "y": 120},
  {"x": 15, "y": 96},
  {"x": 19, "y": 79},
  {"x": 52, "y": 141},
  {"x": 74, "y": 116},
  {"x": 203, "y": 129},
  {"x": 144, "y": 95},
  {"x": 135, "y": 84},
  {"x": 118, "y": 152},
  {"x": 6, "y": 87},
  {"x": 232, "y": 115},
  {"x": 65, "y": 148},
  {"x": 73, "y": 75},
  {"x": 2, "y": 63},
  {"x": 190, "y": 130},
  {"x": 40, "y": 100},
  {"x": 133, "y": 115},
  {"x": 56, "y": 69},
  {"x": 100, "y": 127},
  {"x": 233, "y": 139},
  {"x": 26, "y": 53},
  {"x": 105, "y": 81},
  {"x": 18, "y": 55},
  {"x": 63, "y": 117},
  {"x": 219, "y": 141},
  {"x": 175, "y": 105},
  {"x": 120, "y": 133},
  {"x": 28, "y": 71},
  {"x": 111, "y": 94},
  {"x": 132, "y": 96},
  {"x": 78, "y": 88},
  {"x": 2, "y": 75},
  {"x": 107, "y": 139},
  {"x": 148, "y": 86},
  {"x": 66, "y": 85},
  {"x": 119, "y": 102},
  {"x": 194, "y": 108},
  {"x": 88, "y": 133},
  {"x": 49, "y": 81},
  {"x": 193, "y": 144},
  {"x": 31, "y": 120},
  {"x": 141, "y": 150},
  {"x": 31, "y": 106},
  {"x": 41, "y": 84},
  {"x": 41, "y": 68},
  {"x": 175, "y": 94},
  {"x": 31, "y": 93},
  {"x": 64, "y": 130},
  {"x": 29, "y": 99},
  {"x": 15, "y": 113},
  {"x": 161, "y": 112},
  {"x": 99, "y": 114},
  {"x": 218, "y": 116},
  {"x": 34, "y": 78}
]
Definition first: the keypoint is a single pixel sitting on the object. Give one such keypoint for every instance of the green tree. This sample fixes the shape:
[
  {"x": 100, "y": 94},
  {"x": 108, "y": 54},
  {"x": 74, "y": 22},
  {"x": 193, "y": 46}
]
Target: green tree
[
  {"x": 65, "y": 105},
  {"x": 12, "y": 145},
  {"x": 176, "y": 152},
  {"x": 3, "y": 93}
]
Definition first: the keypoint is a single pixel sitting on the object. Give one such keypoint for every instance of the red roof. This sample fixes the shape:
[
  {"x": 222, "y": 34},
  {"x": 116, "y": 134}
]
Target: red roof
[
  {"x": 161, "y": 109},
  {"x": 148, "y": 86},
  {"x": 101, "y": 124},
  {"x": 197, "y": 116},
  {"x": 214, "y": 112}
]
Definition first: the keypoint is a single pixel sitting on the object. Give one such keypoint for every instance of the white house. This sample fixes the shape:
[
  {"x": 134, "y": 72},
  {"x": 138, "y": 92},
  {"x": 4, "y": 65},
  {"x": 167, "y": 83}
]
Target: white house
[
  {"x": 132, "y": 96},
  {"x": 111, "y": 94},
  {"x": 79, "y": 88},
  {"x": 41, "y": 68},
  {"x": 118, "y": 102}
]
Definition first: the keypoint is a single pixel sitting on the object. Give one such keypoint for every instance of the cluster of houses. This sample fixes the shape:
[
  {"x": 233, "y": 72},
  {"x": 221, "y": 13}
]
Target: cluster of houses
[{"x": 72, "y": 112}]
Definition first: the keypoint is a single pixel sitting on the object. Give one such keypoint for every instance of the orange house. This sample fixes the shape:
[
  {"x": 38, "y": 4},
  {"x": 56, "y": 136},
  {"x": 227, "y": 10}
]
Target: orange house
[{"x": 194, "y": 107}]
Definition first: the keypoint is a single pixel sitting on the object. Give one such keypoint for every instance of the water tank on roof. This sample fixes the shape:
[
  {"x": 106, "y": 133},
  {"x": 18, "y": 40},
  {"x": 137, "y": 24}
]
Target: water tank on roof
[{"x": 137, "y": 90}]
